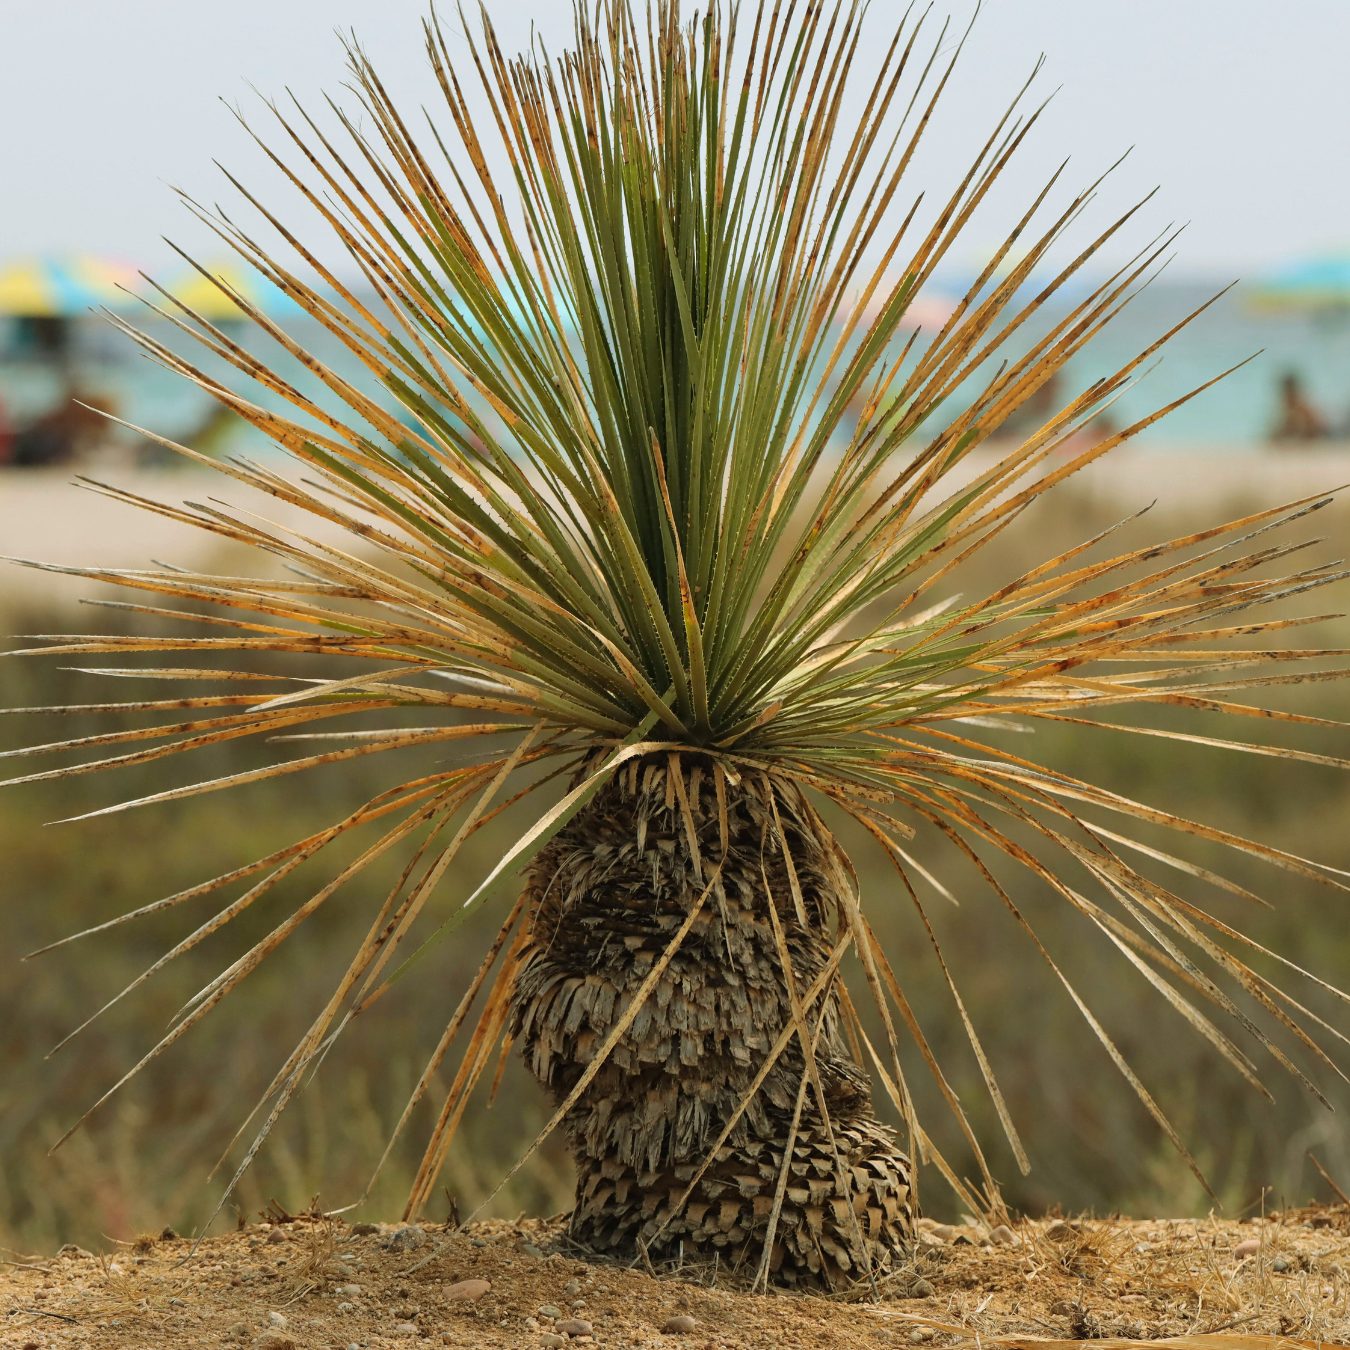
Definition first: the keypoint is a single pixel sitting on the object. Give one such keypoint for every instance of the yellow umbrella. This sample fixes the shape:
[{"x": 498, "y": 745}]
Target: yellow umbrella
[
  {"x": 63, "y": 287},
  {"x": 202, "y": 294}
]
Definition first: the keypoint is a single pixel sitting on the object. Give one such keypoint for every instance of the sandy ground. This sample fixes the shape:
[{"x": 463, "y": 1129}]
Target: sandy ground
[
  {"x": 316, "y": 1282},
  {"x": 44, "y": 515}
]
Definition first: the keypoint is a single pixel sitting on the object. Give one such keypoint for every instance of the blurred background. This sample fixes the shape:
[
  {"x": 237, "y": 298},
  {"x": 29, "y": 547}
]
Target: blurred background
[{"x": 1238, "y": 110}]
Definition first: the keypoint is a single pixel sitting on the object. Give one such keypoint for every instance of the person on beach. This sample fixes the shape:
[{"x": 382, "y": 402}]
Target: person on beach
[
  {"x": 6, "y": 435},
  {"x": 73, "y": 428},
  {"x": 1298, "y": 420}
]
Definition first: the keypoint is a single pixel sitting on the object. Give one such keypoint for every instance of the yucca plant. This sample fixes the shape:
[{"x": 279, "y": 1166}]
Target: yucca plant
[{"x": 651, "y": 493}]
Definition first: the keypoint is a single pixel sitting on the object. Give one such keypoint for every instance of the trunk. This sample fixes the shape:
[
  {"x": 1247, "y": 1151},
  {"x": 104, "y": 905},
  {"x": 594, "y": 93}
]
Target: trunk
[{"x": 606, "y": 897}]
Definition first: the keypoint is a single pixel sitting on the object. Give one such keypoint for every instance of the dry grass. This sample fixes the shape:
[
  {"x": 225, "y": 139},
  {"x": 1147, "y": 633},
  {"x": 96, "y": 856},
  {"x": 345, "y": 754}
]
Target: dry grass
[
  {"x": 144, "y": 1160},
  {"x": 1116, "y": 1281}
]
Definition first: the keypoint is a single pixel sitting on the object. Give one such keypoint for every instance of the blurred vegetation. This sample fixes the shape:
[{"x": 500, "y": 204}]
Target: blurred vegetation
[{"x": 142, "y": 1160}]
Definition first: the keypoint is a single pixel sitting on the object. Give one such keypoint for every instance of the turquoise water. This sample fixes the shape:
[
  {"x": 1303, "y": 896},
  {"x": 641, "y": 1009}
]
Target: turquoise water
[{"x": 1238, "y": 411}]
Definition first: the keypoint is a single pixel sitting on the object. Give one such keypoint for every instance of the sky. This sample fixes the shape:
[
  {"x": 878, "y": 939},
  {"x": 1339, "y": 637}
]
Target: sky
[{"x": 1237, "y": 110}]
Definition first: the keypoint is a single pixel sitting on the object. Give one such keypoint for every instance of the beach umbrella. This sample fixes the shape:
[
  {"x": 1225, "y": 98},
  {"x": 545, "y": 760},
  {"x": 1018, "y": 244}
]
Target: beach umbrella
[
  {"x": 201, "y": 293},
  {"x": 63, "y": 287},
  {"x": 929, "y": 310},
  {"x": 1306, "y": 284}
]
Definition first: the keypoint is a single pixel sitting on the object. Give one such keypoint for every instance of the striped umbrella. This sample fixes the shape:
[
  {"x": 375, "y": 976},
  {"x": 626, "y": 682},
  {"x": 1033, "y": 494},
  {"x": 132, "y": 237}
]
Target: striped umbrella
[
  {"x": 929, "y": 310},
  {"x": 52, "y": 287},
  {"x": 201, "y": 293}
]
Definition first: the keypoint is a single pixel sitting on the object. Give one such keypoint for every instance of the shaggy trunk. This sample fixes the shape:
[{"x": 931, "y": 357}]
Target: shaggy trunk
[{"x": 606, "y": 897}]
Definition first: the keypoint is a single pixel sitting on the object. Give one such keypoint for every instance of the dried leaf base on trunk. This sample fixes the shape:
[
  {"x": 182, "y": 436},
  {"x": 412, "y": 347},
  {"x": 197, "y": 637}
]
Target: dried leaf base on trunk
[{"x": 606, "y": 897}]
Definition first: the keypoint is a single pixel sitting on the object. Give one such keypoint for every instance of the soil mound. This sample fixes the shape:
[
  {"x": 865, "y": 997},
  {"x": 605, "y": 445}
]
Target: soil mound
[{"x": 317, "y": 1282}]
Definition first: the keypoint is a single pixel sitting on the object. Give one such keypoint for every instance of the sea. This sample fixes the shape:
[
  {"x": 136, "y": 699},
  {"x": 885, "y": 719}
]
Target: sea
[{"x": 1234, "y": 334}]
